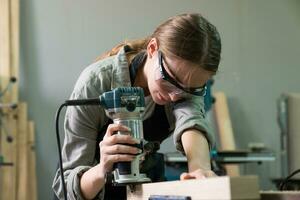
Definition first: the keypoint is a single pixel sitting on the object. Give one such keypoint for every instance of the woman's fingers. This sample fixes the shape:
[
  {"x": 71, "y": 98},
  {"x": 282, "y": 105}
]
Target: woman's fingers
[
  {"x": 113, "y": 128},
  {"x": 197, "y": 174},
  {"x": 186, "y": 176},
  {"x": 121, "y": 149},
  {"x": 120, "y": 139},
  {"x": 117, "y": 147},
  {"x": 111, "y": 159},
  {"x": 121, "y": 158},
  {"x": 107, "y": 161},
  {"x": 111, "y": 138}
]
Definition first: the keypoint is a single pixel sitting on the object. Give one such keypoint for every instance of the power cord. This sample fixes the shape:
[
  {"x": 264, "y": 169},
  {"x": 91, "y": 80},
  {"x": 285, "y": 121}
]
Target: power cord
[
  {"x": 59, "y": 149},
  {"x": 76, "y": 102},
  {"x": 287, "y": 179}
]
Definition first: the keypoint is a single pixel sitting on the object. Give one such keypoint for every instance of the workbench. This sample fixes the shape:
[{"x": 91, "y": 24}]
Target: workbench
[{"x": 217, "y": 188}]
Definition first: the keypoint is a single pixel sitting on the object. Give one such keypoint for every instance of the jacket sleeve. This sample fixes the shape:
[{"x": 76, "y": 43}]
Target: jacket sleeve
[
  {"x": 81, "y": 128},
  {"x": 190, "y": 114}
]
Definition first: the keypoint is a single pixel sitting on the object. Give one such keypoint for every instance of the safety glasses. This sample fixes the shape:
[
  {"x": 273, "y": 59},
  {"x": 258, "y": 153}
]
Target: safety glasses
[{"x": 173, "y": 86}]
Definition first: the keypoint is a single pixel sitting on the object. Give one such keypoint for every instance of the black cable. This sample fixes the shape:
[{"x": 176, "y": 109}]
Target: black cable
[
  {"x": 75, "y": 102},
  {"x": 59, "y": 150},
  {"x": 80, "y": 102},
  {"x": 286, "y": 180}
]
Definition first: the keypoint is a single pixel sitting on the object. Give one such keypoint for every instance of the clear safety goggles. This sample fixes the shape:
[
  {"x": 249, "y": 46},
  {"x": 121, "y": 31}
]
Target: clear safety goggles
[{"x": 171, "y": 86}]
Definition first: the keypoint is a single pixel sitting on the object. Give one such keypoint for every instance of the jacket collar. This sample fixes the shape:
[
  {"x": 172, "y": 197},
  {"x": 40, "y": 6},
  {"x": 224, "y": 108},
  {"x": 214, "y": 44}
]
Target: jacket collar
[{"x": 120, "y": 72}]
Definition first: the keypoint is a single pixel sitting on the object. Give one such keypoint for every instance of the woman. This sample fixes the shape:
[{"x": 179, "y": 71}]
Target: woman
[{"x": 172, "y": 66}]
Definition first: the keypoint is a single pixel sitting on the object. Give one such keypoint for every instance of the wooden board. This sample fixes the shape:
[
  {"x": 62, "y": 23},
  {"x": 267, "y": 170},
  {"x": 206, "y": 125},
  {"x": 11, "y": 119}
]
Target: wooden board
[
  {"x": 4, "y": 36},
  {"x": 293, "y": 137},
  {"x": 32, "y": 194},
  {"x": 5, "y": 48},
  {"x": 22, "y": 154},
  {"x": 217, "y": 188},
  {"x": 225, "y": 131},
  {"x": 14, "y": 47},
  {"x": 9, "y": 46},
  {"x": 10, "y": 185},
  {"x": 7, "y": 37},
  {"x": 8, "y": 150}
]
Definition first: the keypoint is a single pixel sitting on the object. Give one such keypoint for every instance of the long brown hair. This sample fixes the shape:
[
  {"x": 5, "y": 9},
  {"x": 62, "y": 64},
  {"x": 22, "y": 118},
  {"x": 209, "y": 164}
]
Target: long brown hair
[
  {"x": 135, "y": 47},
  {"x": 188, "y": 36}
]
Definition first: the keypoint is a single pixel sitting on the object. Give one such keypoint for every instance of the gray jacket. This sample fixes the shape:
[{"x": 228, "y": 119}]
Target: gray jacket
[{"x": 82, "y": 123}]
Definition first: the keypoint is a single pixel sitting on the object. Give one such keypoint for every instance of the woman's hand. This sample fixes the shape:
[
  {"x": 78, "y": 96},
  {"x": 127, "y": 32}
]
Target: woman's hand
[
  {"x": 197, "y": 174},
  {"x": 114, "y": 147}
]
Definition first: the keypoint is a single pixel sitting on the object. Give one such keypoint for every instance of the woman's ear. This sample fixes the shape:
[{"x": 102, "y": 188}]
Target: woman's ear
[{"x": 152, "y": 47}]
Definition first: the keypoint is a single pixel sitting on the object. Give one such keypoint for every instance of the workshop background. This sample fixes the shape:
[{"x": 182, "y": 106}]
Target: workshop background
[{"x": 260, "y": 61}]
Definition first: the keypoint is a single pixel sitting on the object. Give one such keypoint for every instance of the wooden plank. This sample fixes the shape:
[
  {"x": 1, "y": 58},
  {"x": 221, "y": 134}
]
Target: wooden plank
[
  {"x": 9, "y": 151},
  {"x": 9, "y": 46},
  {"x": 225, "y": 131},
  {"x": 8, "y": 179},
  {"x": 14, "y": 47},
  {"x": 32, "y": 194},
  {"x": 22, "y": 154},
  {"x": 5, "y": 46},
  {"x": 221, "y": 188},
  {"x": 9, "y": 66},
  {"x": 14, "y": 132},
  {"x": 293, "y": 137}
]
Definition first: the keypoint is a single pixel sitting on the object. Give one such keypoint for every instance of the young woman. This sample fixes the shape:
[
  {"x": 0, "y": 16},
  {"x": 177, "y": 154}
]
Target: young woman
[{"x": 172, "y": 66}]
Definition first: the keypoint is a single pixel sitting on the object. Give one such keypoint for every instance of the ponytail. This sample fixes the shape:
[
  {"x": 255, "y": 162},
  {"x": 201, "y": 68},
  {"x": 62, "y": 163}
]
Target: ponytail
[{"x": 135, "y": 47}]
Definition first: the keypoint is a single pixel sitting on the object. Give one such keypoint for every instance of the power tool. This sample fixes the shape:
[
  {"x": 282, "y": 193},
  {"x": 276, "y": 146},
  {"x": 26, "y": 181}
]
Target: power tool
[{"x": 124, "y": 105}]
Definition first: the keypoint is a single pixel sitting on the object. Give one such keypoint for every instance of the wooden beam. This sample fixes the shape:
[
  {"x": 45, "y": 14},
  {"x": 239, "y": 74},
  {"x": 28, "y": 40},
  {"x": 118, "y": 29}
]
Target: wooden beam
[
  {"x": 9, "y": 35},
  {"x": 13, "y": 181},
  {"x": 225, "y": 131},
  {"x": 4, "y": 46},
  {"x": 22, "y": 154},
  {"x": 8, "y": 150},
  {"x": 32, "y": 194},
  {"x": 221, "y": 188},
  {"x": 14, "y": 46}
]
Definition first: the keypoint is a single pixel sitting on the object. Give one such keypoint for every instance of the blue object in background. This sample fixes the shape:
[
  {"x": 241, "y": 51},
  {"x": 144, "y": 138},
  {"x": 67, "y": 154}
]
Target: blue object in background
[
  {"x": 208, "y": 98},
  {"x": 174, "y": 170}
]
